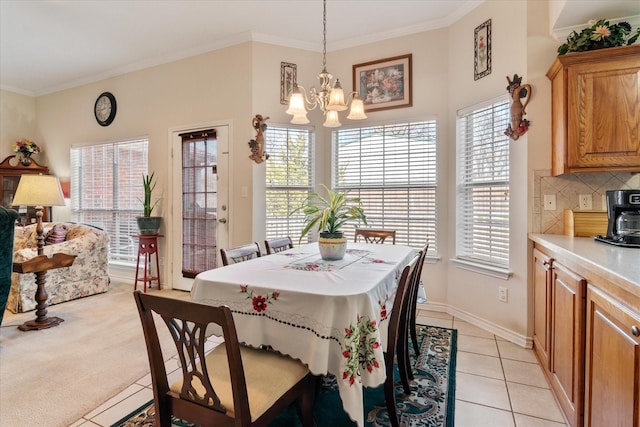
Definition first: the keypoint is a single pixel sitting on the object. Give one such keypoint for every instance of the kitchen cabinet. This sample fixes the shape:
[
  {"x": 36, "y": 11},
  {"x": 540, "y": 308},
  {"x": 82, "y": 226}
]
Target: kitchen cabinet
[
  {"x": 559, "y": 331},
  {"x": 567, "y": 340},
  {"x": 595, "y": 109},
  {"x": 10, "y": 172},
  {"x": 542, "y": 306},
  {"x": 586, "y": 321},
  {"x": 612, "y": 395}
]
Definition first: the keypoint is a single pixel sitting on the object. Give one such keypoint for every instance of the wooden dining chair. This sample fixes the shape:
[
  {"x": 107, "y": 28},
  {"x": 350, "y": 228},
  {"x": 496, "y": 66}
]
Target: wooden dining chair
[
  {"x": 413, "y": 300},
  {"x": 371, "y": 235},
  {"x": 240, "y": 253},
  {"x": 395, "y": 333},
  {"x": 409, "y": 320},
  {"x": 278, "y": 244},
  {"x": 232, "y": 384}
]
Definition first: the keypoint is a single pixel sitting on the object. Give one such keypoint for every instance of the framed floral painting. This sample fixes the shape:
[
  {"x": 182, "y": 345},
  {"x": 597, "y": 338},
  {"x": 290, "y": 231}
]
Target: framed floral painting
[
  {"x": 288, "y": 78},
  {"x": 482, "y": 50},
  {"x": 385, "y": 83}
]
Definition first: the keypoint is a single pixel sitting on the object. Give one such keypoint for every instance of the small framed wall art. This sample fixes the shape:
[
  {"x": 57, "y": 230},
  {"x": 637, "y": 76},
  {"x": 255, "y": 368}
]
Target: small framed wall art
[
  {"x": 288, "y": 79},
  {"x": 385, "y": 83},
  {"x": 482, "y": 50}
]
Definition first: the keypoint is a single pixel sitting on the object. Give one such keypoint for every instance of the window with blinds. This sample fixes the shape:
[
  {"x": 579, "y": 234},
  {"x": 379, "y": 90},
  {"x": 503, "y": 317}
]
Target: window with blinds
[
  {"x": 106, "y": 191},
  {"x": 392, "y": 168},
  {"x": 483, "y": 184},
  {"x": 289, "y": 175}
]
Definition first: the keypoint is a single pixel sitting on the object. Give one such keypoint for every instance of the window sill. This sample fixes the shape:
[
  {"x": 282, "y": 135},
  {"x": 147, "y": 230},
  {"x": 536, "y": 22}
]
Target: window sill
[
  {"x": 432, "y": 259},
  {"x": 488, "y": 270}
]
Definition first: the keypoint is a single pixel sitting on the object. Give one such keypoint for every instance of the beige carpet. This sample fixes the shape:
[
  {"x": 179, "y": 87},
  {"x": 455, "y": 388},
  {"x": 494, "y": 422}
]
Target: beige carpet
[{"x": 55, "y": 376}]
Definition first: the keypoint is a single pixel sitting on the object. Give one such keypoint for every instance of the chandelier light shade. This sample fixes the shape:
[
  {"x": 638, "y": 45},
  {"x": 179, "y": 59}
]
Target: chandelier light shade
[{"x": 330, "y": 99}]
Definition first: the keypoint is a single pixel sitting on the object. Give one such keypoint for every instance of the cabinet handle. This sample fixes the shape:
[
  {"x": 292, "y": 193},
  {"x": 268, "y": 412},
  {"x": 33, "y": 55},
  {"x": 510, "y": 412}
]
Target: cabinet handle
[{"x": 635, "y": 331}]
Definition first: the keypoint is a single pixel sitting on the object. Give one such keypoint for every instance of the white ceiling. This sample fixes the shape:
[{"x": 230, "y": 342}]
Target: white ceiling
[{"x": 50, "y": 45}]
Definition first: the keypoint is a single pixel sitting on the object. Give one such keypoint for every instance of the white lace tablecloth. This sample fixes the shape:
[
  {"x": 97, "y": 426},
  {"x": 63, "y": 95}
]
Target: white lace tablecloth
[{"x": 332, "y": 315}]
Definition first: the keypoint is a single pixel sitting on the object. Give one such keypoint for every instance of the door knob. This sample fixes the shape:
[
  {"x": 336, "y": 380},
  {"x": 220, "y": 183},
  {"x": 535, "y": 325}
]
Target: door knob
[
  {"x": 222, "y": 220},
  {"x": 635, "y": 331}
]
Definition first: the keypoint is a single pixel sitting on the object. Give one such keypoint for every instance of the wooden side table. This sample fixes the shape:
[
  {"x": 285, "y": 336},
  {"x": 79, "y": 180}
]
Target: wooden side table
[
  {"x": 147, "y": 246},
  {"x": 40, "y": 265}
]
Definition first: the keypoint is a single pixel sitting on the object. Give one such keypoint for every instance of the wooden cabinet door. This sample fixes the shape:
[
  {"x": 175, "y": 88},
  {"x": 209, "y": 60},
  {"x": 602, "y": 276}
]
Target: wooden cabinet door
[
  {"x": 567, "y": 341},
  {"x": 541, "y": 306},
  {"x": 595, "y": 111},
  {"x": 604, "y": 114},
  {"x": 612, "y": 386}
]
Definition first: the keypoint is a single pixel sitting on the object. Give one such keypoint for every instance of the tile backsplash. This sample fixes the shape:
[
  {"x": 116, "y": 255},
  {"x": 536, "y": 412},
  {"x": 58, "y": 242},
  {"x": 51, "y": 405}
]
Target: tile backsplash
[{"x": 567, "y": 190}]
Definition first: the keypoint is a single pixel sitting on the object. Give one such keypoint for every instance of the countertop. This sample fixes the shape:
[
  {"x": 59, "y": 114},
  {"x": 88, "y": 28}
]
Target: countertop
[{"x": 619, "y": 263}]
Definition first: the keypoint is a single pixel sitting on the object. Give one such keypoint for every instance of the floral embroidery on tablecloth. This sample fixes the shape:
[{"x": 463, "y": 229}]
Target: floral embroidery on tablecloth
[
  {"x": 358, "y": 252},
  {"x": 383, "y": 309},
  {"x": 368, "y": 260},
  {"x": 310, "y": 266},
  {"x": 360, "y": 343},
  {"x": 259, "y": 302}
]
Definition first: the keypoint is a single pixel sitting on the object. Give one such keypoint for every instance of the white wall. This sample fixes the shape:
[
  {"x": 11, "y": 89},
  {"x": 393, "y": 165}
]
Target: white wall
[
  {"x": 18, "y": 120},
  {"x": 472, "y": 295}
]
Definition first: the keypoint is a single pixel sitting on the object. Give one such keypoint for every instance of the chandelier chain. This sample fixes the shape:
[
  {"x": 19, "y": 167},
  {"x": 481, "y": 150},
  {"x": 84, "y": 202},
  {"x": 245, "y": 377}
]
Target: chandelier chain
[{"x": 324, "y": 34}]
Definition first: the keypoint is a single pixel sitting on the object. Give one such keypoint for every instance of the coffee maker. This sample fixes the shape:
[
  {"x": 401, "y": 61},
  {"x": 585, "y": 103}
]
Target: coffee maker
[{"x": 623, "y": 213}]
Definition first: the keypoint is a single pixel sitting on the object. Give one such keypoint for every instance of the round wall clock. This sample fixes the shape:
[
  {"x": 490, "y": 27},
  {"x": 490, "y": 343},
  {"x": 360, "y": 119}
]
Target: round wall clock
[{"x": 105, "y": 108}]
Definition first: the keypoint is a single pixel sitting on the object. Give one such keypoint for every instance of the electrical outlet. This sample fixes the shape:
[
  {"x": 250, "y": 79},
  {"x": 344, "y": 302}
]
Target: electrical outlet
[
  {"x": 549, "y": 202},
  {"x": 502, "y": 294},
  {"x": 585, "y": 202}
]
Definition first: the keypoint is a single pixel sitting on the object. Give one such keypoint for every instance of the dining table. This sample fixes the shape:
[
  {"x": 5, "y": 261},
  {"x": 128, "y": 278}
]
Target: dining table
[{"x": 331, "y": 315}]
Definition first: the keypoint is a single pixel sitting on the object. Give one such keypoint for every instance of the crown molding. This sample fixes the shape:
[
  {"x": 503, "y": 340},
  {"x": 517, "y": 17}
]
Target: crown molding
[{"x": 561, "y": 34}]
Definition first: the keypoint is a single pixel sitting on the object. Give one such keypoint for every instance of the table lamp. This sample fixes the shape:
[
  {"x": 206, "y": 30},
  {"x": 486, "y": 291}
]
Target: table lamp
[{"x": 39, "y": 191}]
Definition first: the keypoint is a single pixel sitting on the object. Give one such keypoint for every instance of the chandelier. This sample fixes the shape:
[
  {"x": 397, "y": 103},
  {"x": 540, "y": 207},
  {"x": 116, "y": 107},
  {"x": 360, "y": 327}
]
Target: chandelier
[{"x": 329, "y": 99}]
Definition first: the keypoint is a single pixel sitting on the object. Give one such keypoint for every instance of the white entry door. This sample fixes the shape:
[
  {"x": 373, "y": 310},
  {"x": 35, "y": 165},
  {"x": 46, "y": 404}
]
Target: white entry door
[{"x": 200, "y": 201}]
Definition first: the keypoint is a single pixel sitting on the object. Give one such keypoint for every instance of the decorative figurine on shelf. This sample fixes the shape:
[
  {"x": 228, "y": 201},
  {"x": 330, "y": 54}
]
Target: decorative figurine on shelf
[
  {"x": 258, "y": 154},
  {"x": 25, "y": 149},
  {"x": 518, "y": 125}
]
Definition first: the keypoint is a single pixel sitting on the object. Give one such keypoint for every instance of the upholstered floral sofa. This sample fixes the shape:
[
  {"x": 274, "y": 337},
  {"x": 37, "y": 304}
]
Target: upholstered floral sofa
[{"x": 87, "y": 276}]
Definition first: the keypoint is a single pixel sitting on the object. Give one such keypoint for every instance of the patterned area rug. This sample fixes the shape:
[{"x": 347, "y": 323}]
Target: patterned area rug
[{"x": 431, "y": 403}]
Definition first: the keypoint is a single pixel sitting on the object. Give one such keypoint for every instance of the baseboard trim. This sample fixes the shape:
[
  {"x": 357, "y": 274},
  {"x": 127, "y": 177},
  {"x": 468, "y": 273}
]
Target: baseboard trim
[{"x": 507, "y": 334}]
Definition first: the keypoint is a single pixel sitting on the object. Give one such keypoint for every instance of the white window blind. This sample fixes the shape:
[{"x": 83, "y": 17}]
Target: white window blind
[
  {"x": 483, "y": 186},
  {"x": 392, "y": 168},
  {"x": 289, "y": 174},
  {"x": 106, "y": 191}
]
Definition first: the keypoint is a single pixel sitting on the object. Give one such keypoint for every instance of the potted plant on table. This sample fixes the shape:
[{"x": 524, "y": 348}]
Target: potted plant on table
[
  {"x": 328, "y": 215},
  {"x": 148, "y": 224}
]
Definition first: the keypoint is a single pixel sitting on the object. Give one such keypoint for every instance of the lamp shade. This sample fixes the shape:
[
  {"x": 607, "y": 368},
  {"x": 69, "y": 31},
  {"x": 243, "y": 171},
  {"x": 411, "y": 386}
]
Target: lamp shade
[
  {"x": 332, "y": 120},
  {"x": 357, "y": 109},
  {"x": 336, "y": 98},
  {"x": 38, "y": 190},
  {"x": 300, "y": 119},
  {"x": 296, "y": 103}
]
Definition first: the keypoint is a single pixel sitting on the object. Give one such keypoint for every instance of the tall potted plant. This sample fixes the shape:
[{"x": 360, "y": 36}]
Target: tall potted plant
[
  {"x": 148, "y": 224},
  {"x": 327, "y": 215}
]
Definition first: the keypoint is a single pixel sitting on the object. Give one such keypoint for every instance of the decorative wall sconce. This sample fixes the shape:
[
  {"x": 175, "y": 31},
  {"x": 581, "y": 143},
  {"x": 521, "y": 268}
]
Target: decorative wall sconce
[
  {"x": 518, "y": 125},
  {"x": 258, "y": 154}
]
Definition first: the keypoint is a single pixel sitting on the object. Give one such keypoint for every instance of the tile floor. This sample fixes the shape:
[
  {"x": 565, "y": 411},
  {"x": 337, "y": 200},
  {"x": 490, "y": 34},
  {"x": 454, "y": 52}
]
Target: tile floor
[{"x": 498, "y": 384}]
